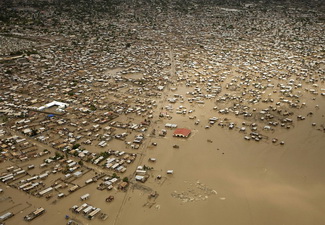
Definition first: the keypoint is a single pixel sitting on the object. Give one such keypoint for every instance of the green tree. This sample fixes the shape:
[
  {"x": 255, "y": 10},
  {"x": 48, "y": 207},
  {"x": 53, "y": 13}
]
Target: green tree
[
  {"x": 58, "y": 155},
  {"x": 34, "y": 132},
  {"x": 92, "y": 107},
  {"x": 75, "y": 146}
]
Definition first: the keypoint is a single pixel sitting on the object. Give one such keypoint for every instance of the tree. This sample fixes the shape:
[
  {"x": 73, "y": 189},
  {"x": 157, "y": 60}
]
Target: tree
[
  {"x": 34, "y": 132},
  {"x": 4, "y": 118},
  {"x": 75, "y": 146},
  {"x": 230, "y": 26},
  {"x": 125, "y": 179},
  {"x": 58, "y": 155},
  {"x": 104, "y": 154},
  {"x": 92, "y": 107}
]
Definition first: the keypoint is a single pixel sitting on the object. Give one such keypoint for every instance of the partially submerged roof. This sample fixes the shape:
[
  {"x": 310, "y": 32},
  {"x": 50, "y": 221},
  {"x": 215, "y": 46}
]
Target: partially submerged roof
[{"x": 182, "y": 132}]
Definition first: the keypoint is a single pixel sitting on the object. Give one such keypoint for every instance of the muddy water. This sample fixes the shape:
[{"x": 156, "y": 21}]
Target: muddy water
[
  {"x": 243, "y": 182},
  {"x": 228, "y": 181},
  {"x": 256, "y": 183}
]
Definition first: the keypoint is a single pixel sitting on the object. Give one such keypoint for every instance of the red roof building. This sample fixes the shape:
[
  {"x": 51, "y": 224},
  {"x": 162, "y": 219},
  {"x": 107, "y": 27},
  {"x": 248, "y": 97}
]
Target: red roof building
[{"x": 182, "y": 132}]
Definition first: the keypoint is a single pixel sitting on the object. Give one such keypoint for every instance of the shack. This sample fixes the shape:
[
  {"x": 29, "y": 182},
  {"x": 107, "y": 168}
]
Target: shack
[
  {"x": 182, "y": 132},
  {"x": 84, "y": 197},
  {"x": 6, "y": 216},
  {"x": 94, "y": 213},
  {"x": 34, "y": 214},
  {"x": 47, "y": 190}
]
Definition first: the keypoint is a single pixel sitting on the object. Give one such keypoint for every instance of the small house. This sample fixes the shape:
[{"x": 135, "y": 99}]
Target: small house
[{"x": 182, "y": 132}]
